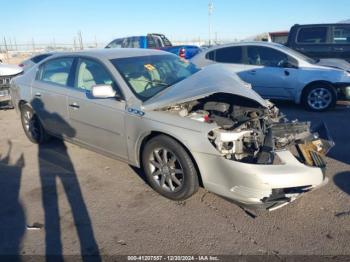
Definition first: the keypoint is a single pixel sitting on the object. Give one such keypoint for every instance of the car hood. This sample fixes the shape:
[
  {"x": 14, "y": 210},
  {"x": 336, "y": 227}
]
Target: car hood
[
  {"x": 9, "y": 70},
  {"x": 335, "y": 63},
  {"x": 211, "y": 79}
]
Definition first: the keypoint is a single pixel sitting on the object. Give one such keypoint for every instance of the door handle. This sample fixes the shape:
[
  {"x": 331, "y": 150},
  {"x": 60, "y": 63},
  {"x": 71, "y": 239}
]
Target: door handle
[
  {"x": 340, "y": 49},
  {"x": 37, "y": 94},
  {"x": 74, "y": 105},
  {"x": 252, "y": 72},
  {"x": 286, "y": 72}
]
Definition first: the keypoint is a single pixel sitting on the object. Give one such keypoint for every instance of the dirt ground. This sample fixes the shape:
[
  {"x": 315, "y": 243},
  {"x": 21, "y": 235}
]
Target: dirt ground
[{"x": 62, "y": 199}]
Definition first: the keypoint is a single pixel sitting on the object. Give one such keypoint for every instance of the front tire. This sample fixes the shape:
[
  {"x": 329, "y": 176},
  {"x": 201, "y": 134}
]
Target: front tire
[
  {"x": 32, "y": 126},
  {"x": 169, "y": 169},
  {"x": 319, "y": 97}
]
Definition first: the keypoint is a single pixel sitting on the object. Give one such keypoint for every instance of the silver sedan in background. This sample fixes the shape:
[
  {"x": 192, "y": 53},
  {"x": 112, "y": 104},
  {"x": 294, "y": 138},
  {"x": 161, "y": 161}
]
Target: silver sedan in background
[
  {"x": 278, "y": 72},
  {"x": 184, "y": 126}
]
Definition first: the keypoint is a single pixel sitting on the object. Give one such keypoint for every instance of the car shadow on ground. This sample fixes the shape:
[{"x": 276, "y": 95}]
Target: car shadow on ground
[
  {"x": 342, "y": 180},
  {"x": 55, "y": 164},
  {"x": 12, "y": 216}
]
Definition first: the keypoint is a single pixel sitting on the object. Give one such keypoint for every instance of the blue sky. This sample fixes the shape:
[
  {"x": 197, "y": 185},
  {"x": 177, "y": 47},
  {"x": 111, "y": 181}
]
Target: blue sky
[{"x": 45, "y": 20}]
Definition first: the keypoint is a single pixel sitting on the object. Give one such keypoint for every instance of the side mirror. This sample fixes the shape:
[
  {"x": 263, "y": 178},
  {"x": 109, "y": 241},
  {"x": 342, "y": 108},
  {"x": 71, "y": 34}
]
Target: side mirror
[{"x": 103, "y": 91}]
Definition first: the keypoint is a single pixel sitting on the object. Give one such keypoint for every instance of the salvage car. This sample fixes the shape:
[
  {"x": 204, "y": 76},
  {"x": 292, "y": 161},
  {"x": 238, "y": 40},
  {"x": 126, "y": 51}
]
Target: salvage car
[
  {"x": 278, "y": 72},
  {"x": 7, "y": 72},
  {"x": 184, "y": 126}
]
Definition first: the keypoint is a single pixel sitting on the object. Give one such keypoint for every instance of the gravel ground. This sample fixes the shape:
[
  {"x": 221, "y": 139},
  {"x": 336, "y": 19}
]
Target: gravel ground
[{"x": 81, "y": 202}]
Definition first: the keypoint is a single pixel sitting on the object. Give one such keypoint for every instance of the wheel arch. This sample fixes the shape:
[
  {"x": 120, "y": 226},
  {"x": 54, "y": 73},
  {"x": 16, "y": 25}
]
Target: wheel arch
[{"x": 153, "y": 134}]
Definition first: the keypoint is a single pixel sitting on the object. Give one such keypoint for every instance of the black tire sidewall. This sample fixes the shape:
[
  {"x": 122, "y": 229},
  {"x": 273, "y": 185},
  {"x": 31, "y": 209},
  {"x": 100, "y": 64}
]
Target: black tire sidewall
[
  {"x": 190, "y": 185},
  {"x": 43, "y": 137},
  {"x": 307, "y": 91}
]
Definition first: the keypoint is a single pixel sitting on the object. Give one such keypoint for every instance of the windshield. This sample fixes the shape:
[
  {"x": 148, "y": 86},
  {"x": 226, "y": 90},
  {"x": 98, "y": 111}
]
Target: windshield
[
  {"x": 299, "y": 55},
  {"x": 148, "y": 75}
]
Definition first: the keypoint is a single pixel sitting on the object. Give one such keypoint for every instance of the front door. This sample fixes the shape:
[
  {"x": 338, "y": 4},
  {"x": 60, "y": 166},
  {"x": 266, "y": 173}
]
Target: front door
[
  {"x": 267, "y": 71},
  {"x": 99, "y": 123},
  {"x": 341, "y": 41}
]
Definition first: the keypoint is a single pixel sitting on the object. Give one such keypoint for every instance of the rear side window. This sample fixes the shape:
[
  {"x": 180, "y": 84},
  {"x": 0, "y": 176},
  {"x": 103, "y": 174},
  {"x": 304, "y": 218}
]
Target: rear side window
[
  {"x": 312, "y": 35},
  {"x": 226, "y": 55},
  {"x": 56, "y": 71},
  {"x": 341, "y": 34},
  {"x": 210, "y": 55},
  {"x": 116, "y": 43},
  {"x": 39, "y": 58}
]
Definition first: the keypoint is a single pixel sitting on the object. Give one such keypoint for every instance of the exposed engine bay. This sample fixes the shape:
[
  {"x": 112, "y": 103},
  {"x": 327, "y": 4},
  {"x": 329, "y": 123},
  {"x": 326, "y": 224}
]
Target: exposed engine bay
[{"x": 250, "y": 133}]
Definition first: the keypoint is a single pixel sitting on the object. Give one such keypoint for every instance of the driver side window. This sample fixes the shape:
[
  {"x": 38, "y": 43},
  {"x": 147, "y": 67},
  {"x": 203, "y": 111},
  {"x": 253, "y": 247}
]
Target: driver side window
[
  {"x": 265, "y": 56},
  {"x": 90, "y": 73}
]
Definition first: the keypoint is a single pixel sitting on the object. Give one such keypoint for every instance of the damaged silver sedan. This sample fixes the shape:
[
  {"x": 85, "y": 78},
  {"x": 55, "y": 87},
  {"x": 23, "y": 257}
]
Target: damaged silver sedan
[{"x": 183, "y": 126}]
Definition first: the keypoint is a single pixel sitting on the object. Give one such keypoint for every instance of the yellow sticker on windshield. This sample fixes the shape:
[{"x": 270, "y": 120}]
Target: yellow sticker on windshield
[{"x": 149, "y": 67}]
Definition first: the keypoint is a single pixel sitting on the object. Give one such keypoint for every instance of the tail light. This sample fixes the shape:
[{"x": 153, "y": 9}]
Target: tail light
[{"x": 182, "y": 52}]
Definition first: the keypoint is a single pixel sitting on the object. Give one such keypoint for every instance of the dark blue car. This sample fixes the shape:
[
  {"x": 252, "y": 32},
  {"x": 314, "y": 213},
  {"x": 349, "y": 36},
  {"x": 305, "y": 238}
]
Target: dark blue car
[{"x": 155, "y": 41}]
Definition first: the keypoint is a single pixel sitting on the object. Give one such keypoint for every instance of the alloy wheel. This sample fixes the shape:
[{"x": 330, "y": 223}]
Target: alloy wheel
[
  {"x": 166, "y": 170},
  {"x": 319, "y": 98}
]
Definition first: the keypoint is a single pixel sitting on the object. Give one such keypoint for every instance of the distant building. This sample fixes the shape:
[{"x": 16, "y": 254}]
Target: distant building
[{"x": 280, "y": 37}]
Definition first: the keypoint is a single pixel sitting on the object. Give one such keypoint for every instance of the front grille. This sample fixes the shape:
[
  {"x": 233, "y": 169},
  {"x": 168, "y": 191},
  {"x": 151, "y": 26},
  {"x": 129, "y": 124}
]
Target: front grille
[{"x": 5, "y": 81}]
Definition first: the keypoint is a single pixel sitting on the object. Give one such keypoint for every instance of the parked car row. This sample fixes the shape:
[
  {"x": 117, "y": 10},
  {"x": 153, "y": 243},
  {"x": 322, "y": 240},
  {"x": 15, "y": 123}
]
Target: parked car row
[
  {"x": 183, "y": 125},
  {"x": 155, "y": 41}
]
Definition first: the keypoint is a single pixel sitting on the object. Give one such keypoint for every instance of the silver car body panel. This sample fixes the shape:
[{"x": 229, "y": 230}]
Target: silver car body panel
[{"x": 117, "y": 128}]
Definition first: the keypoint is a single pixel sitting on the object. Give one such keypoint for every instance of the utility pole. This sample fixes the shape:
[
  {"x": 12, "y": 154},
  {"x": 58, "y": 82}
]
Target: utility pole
[
  {"x": 74, "y": 45},
  {"x": 80, "y": 39},
  {"x": 6, "y": 49},
  {"x": 15, "y": 44},
  {"x": 33, "y": 45},
  {"x": 210, "y": 11}
]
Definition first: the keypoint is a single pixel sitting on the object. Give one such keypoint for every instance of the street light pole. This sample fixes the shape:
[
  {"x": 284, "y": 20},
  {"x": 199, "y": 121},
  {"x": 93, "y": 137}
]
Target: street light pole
[{"x": 210, "y": 11}]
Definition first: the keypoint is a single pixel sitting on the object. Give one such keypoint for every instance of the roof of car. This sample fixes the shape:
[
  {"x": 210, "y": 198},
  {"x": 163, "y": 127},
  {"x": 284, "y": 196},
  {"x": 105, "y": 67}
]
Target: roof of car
[
  {"x": 113, "y": 53},
  {"x": 314, "y": 25},
  {"x": 257, "y": 43}
]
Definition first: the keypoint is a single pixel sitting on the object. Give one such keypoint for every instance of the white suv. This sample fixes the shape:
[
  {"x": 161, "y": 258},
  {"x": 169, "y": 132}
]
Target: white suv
[{"x": 278, "y": 72}]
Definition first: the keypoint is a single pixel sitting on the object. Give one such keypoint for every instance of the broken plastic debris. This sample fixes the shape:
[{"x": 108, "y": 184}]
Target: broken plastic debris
[
  {"x": 35, "y": 226},
  {"x": 121, "y": 242}
]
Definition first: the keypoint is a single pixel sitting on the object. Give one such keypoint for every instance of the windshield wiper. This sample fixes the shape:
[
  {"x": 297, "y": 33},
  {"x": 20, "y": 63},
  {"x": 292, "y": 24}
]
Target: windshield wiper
[{"x": 153, "y": 82}]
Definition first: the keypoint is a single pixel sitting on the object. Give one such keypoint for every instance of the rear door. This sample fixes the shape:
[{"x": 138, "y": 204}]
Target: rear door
[
  {"x": 99, "y": 123},
  {"x": 49, "y": 95},
  {"x": 270, "y": 72},
  {"x": 340, "y": 38},
  {"x": 314, "y": 41}
]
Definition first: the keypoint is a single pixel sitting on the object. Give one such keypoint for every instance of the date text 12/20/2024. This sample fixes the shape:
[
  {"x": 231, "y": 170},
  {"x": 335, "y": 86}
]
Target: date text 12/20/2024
[{"x": 173, "y": 258}]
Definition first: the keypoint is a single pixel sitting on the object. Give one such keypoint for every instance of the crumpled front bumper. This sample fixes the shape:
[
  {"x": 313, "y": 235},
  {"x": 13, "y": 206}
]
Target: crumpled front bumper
[{"x": 259, "y": 185}]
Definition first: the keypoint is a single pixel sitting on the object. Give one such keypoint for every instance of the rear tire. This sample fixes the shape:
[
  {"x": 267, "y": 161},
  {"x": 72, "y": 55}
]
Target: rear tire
[
  {"x": 319, "y": 97},
  {"x": 32, "y": 126},
  {"x": 169, "y": 169}
]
